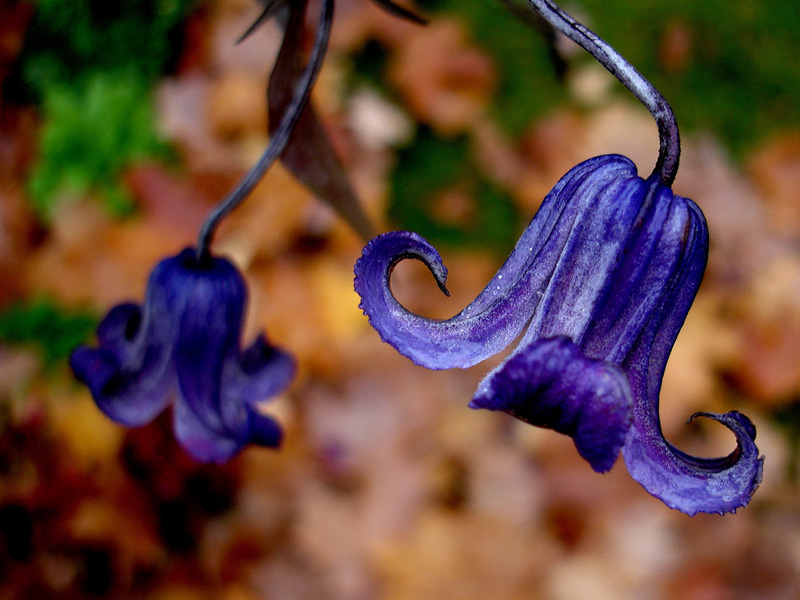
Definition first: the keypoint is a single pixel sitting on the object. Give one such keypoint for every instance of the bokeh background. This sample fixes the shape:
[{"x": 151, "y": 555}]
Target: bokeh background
[{"x": 121, "y": 123}]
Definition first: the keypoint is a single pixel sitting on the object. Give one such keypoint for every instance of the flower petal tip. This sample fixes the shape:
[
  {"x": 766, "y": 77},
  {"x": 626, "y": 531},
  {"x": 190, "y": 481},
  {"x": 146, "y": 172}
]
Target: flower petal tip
[
  {"x": 550, "y": 384},
  {"x": 693, "y": 484}
]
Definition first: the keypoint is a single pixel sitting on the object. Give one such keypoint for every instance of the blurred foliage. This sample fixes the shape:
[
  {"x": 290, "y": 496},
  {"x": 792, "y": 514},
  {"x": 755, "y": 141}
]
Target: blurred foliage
[
  {"x": 91, "y": 65},
  {"x": 528, "y": 68},
  {"x": 70, "y": 40},
  {"x": 788, "y": 419},
  {"x": 91, "y": 132},
  {"x": 728, "y": 66},
  {"x": 431, "y": 168},
  {"x": 43, "y": 324}
]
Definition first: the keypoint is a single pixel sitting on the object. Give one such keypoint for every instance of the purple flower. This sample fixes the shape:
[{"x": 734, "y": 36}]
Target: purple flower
[
  {"x": 184, "y": 346},
  {"x": 600, "y": 282}
]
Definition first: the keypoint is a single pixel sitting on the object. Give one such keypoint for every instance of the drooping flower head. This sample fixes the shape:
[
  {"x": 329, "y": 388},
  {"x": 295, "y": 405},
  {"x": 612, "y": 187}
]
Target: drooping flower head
[
  {"x": 600, "y": 283},
  {"x": 182, "y": 347}
]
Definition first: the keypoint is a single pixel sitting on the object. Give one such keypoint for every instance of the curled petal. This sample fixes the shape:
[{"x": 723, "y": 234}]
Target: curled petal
[
  {"x": 260, "y": 372},
  {"x": 568, "y": 221},
  {"x": 124, "y": 398},
  {"x": 129, "y": 373},
  {"x": 457, "y": 342},
  {"x": 118, "y": 330},
  {"x": 681, "y": 481},
  {"x": 550, "y": 383},
  {"x": 125, "y": 375},
  {"x": 691, "y": 484}
]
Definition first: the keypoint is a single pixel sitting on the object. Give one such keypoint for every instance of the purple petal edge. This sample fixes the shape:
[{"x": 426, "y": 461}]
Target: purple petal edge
[
  {"x": 551, "y": 384},
  {"x": 691, "y": 484},
  {"x": 502, "y": 310}
]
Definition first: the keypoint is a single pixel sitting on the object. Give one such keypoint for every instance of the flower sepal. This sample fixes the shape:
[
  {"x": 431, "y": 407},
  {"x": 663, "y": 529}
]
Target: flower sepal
[
  {"x": 550, "y": 383},
  {"x": 182, "y": 346}
]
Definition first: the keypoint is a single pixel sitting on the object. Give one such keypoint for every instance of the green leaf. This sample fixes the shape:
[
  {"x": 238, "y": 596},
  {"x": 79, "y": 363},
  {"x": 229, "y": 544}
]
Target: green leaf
[
  {"x": 92, "y": 132},
  {"x": 41, "y": 323}
]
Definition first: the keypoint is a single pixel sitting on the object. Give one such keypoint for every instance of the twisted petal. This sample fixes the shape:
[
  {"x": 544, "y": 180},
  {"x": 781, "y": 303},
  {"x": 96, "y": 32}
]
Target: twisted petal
[
  {"x": 681, "y": 481},
  {"x": 119, "y": 328},
  {"x": 260, "y": 372},
  {"x": 551, "y": 384},
  {"x": 127, "y": 374},
  {"x": 131, "y": 405},
  {"x": 458, "y": 342},
  {"x": 557, "y": 237},
  {"x": 691, "y": 484}
]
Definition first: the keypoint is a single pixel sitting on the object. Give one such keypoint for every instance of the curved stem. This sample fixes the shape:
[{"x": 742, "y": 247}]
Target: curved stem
[
  {"x": 281, "y": 136},
  {"x": 670, "y": 146}
]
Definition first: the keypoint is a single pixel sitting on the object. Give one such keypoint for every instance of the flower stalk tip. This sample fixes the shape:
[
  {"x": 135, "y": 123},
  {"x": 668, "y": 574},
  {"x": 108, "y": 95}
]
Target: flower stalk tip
[{"x": 669, "y": 150}]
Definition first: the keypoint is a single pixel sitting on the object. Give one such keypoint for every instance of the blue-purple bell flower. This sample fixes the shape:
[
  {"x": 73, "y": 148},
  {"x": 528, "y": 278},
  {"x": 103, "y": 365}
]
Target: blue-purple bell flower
[
  {"x": 183, "y": 347},
  {"x": 600, "y": 282}
]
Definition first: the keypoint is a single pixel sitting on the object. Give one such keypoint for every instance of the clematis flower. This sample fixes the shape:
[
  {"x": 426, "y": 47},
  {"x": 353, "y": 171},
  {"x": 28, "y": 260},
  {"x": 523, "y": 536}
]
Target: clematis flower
[
  {"x": 183, "y": 347},
  {"x": 598, "y": 286}
]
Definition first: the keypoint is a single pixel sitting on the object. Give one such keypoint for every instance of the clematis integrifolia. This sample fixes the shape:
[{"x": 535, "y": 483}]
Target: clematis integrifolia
[
  {"x": 599, "y": 286},
  {"x": 184, "y": 343}
]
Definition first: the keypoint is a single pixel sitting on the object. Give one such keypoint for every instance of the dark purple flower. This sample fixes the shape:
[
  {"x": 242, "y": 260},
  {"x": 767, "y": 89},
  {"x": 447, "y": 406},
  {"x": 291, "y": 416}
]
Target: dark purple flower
[
  {"x": 600, "y": 282},
  {"x": 183, "y": 347}
]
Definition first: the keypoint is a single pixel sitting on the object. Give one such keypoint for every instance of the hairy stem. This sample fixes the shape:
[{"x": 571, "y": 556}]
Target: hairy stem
[{"x": 670, "y": 145}]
